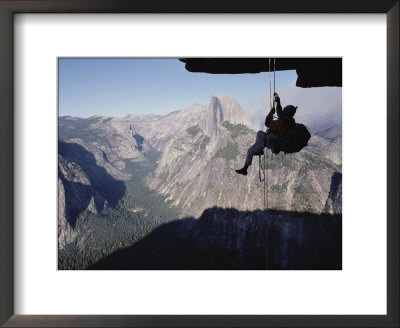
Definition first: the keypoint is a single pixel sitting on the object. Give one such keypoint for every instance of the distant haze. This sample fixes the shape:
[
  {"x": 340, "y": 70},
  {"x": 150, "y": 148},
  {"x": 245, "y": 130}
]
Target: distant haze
[{"x": 314, "y": 105}]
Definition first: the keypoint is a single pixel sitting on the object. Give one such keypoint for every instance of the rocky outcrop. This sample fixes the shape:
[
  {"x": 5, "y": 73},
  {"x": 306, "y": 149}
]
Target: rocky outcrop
[
  {"x": 223, "y": 108},
  {"x": 66, "y": 233},
  {"x": 83, "y": 185},
  {"x": 110, "y": 140},
  {"x": 226, "y": 239},
  {"x": 311, "y": 72},
  {"x": 159, "y": 129},
  {"x": 334, "y": 201}
]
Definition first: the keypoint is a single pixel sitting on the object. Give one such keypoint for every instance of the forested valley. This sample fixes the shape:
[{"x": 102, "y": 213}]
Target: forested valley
[{"x": 139, "y": 212}]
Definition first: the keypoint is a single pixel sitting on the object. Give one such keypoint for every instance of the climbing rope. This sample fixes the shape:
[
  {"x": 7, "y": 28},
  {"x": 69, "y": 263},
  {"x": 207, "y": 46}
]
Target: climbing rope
[
  {"x": 266, "y": 207},
  {"x": 265, "y": 166},
  {"x": 274, "y": 77},
  {"x": 261, "y": 169}
]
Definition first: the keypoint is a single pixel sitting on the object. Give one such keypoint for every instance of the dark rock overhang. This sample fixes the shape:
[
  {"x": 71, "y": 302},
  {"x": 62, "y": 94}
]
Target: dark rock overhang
[{"x": 311, "y": 72}]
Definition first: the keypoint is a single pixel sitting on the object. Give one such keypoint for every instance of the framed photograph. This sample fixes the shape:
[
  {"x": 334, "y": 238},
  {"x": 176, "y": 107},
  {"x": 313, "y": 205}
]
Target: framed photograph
[
  {"x": 140, "y": 172},
  {"x": 206, "y": 164}
]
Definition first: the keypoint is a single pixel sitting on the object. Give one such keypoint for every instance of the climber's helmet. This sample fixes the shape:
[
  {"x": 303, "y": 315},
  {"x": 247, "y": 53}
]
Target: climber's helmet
[{"x": 289, "y": 110}]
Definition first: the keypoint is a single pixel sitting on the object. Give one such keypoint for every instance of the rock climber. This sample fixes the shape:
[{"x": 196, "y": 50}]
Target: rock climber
[{"x": 277, "y": 130}]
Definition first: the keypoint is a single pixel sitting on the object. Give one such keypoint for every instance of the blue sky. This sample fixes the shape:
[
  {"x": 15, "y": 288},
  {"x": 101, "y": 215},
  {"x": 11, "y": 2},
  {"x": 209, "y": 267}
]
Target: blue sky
[{"x": 121, "y": 86}]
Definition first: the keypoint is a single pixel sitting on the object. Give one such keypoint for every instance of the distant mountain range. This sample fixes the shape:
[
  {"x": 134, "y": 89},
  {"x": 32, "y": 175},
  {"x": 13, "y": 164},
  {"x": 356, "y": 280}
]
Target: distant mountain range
[{"x": 110, "y": 167}]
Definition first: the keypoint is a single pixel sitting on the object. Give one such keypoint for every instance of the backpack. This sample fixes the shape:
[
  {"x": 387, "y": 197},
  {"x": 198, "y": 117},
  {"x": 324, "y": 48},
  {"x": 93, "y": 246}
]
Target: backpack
[{"x": 294, "y": 141}]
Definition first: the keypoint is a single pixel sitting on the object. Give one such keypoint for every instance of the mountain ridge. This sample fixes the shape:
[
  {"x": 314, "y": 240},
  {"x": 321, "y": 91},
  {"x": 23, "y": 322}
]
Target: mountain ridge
[{"x": 187, "y": 158}]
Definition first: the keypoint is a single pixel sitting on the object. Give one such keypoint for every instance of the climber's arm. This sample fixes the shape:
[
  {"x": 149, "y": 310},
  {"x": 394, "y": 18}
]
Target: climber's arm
[
  {"x": 278, "y": 105},
  {"x": 269, "y": 117}
]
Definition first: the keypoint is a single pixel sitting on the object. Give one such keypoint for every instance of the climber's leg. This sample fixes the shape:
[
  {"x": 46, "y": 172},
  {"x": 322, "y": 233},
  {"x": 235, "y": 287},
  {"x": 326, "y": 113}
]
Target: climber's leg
[{"x": 257, "y": 148}]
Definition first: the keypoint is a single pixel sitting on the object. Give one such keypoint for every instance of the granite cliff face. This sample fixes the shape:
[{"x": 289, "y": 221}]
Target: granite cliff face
[
  {"x": 192, "y": 155},
  {"x": 226, "y": 239},
  {"x": 196, "y": 168},
  {"x": 111, "y": 140},
  {"x": 159, "y": 129}
]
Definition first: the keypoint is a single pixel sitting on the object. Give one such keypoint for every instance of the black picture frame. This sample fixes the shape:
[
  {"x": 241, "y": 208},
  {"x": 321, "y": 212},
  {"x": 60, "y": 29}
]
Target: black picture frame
[{"x": 10, "y": 7}]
